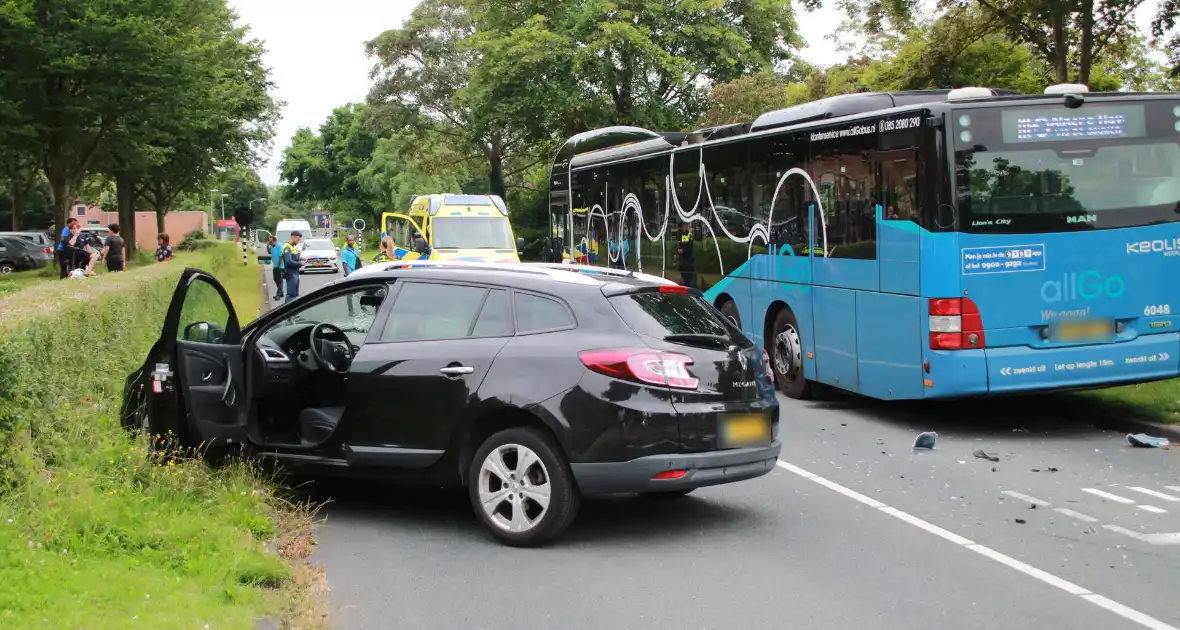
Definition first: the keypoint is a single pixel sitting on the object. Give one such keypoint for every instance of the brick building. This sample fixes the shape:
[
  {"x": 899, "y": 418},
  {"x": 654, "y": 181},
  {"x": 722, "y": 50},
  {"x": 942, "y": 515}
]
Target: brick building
[{"x": 176, "y": 224}]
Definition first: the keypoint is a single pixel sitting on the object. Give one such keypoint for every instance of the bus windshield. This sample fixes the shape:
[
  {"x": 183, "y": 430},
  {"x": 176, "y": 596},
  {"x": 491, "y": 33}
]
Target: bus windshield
[
  {"x": 1053, "y": 169},
  {"x": 471, "y": 233}
]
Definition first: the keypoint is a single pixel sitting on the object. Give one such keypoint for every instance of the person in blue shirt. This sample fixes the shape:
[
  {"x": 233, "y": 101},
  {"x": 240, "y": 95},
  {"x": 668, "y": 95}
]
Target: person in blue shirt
[
  {"x": 277, "y": 271},
  {"x": 292, "y": 262},
  {"x": 350, "y": 258}
]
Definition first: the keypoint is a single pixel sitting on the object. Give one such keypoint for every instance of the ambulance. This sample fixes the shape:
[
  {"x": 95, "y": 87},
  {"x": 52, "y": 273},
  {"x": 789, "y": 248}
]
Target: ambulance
[{"x": 471, "y": 228}]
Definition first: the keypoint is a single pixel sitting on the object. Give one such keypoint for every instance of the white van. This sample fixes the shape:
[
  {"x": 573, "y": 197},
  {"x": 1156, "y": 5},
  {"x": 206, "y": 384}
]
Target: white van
[{"x": 282, "y": 234}]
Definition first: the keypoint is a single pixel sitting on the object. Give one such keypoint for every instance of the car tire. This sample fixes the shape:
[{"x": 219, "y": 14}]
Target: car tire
[
  {"x": 786, "y": 356},
  {"x": 6, "y": 268},
  {"x": 730, "y": 310},
  {"x": 503, "y": 519},
  {"x": 667, "y": 495}
]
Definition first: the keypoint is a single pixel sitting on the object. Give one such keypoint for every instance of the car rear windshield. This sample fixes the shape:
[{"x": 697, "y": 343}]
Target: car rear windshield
[{"x": 663, "y": 315}]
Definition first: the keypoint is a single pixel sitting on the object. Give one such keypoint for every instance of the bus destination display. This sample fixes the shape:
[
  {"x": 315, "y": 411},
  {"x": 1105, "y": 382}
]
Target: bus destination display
[{"x": 1062, "y": 124}]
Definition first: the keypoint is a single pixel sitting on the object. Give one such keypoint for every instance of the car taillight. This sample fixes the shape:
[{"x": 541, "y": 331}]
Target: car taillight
[
  {"x": 643, "y": 366},
  {"x": 47, "y": 250},
  {"x": 955, "y": 324},
  {"x": 767, "y": 368},
  {"x": 673, "y": 289}
]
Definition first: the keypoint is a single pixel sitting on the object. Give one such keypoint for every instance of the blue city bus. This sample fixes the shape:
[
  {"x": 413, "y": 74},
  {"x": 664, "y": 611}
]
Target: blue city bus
[{"x": 908, "y": 245}]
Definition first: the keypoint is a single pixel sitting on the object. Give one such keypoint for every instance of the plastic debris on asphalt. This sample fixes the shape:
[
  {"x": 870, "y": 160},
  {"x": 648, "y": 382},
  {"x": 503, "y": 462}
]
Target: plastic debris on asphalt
[
  {"x": 1143, "y": 440},
  {"x": 925, "y": 440},
  {"x": 980, "y": 454}
]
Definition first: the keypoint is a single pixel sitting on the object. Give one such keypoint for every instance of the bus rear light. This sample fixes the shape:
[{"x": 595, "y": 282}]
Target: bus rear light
[{"x": 955, "y": 324}]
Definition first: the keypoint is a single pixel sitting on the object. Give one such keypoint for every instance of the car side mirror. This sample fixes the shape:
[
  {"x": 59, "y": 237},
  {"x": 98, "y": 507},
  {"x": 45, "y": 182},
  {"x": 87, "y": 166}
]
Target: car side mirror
[
  {"x": 373, "y": 301},
  {"x": 203, "y": 332},
  {"x": 520, "y": 242}
]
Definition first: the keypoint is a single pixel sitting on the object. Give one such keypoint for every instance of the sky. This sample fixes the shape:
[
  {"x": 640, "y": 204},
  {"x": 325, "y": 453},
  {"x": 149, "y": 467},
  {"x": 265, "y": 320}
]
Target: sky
[{"x": 316, "y": 53}]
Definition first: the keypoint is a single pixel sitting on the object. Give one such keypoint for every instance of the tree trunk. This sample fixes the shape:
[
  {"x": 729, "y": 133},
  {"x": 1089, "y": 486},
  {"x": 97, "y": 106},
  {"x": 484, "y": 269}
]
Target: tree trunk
[
  {"x": 1086, "y": 62},
  {"x": 19, "y": 191},
  {"x": 59, "y": 189},
  {"x": 1060, "y": 50},
  {"x": 496, "y": 170},
  {"x": 160, "y": 220},
  {"x": 125, "y": 197}
]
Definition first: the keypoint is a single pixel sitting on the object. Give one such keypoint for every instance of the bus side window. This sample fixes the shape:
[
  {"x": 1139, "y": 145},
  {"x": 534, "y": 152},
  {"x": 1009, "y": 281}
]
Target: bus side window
[
  {"x": 787, "y": 225},
  {"x": 846, "y": 171},
  {"x": 899, "y": 177}
]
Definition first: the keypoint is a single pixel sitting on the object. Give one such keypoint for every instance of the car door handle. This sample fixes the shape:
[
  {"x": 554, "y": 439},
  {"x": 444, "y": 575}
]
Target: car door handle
[
  {"x": 228, "y": 395},
  {"x": 456, "y": 370}
]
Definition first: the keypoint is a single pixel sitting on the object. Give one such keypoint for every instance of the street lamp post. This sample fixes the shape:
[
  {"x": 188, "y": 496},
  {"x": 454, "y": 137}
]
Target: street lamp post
[{"x": 211, "y": 206}]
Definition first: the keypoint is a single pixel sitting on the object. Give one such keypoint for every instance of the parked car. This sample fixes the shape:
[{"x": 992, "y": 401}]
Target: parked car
[
  {"x": 531, "y": 385},
  {"x": 319, "y": 254},
  {"x": 39, "y": 237},
  {"x": 18, "y": 254}
]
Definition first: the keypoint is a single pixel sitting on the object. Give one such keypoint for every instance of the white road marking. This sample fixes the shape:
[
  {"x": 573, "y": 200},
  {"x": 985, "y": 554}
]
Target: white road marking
[
  {"x": 1154, "y": 493},
  {"x": 1107, "y": 495},
  {"x": 1151, "y": 539},
  {"x": 1077, "y": 515},
  {"x": 1173, "y": 488},
  {"x": 1008, "y": 561},
  {"x": 1024, "y": 497},
  {"x": 1151, "y": 508},
  {"x": 1124, "y": 531}
]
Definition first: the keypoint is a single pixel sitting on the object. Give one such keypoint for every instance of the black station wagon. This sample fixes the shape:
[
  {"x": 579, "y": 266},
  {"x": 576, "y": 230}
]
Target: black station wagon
[{"x": 530, "y": 385}]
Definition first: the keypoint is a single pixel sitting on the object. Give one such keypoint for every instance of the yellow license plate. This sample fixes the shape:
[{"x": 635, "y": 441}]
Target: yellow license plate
[
  {"x": 740, "y": 430},
  {"x": 1084, "y": 331}
]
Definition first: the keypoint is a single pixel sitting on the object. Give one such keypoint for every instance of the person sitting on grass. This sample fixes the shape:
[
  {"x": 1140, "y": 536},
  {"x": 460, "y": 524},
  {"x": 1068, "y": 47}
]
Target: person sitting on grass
[
  {"x": 71, "y": 253},
  {"x": 164, "y": 251}
]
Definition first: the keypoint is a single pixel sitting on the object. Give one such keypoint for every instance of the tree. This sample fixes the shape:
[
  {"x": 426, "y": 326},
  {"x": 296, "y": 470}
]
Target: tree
[
  {"x": 323, "y": 167},
  {"x": 1073, "y": 36},
  {"x": 649, "y": 62},
  {"x": 243, "y": 185},
  {"x": 421, "y": 72},
  {"x": 71, "y": 74}
]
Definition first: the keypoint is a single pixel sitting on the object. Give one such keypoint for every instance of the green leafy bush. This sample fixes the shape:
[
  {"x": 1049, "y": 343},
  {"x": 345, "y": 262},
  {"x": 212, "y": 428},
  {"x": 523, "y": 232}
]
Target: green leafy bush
[{"x": 92, "y": 533}]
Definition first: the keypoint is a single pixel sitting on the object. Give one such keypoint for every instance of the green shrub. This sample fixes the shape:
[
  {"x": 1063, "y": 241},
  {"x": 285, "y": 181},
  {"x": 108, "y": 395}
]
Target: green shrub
[
  {"x": 195, "y": 235},
  {"x": 92, "y": 533}
]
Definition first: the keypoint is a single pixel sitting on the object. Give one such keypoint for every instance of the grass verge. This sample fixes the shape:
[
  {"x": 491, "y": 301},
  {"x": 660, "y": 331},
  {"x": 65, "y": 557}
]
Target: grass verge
[
  {"x": 1151, "y": 402},
  {"x": 93, "y": 535}
]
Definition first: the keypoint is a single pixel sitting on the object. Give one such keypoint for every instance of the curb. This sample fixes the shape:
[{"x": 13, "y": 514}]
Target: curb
[{"x": 1131, "y": 425}]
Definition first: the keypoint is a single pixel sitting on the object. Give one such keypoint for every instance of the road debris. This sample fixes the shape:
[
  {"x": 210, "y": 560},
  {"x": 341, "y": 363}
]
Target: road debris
[
  {"x": 1021, "y": 521},
  {"x": 925, "y": 440},
  {"x": 1143, "y": 440},
  {"x": 980, "y": 454}
]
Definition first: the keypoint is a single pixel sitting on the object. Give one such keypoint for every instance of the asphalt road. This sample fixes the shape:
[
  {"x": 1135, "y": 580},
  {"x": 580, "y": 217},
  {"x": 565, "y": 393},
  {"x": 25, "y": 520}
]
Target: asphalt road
[{"x": 853, "y": 529}]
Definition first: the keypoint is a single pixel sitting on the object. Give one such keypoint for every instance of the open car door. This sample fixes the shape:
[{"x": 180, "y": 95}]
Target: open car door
[
  {"x": 402, "y": 228},
  {"x": 193, "y": 383}
]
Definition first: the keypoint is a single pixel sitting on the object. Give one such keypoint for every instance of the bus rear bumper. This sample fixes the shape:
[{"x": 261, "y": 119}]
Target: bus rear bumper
[{"x": 1024, "y": 369}]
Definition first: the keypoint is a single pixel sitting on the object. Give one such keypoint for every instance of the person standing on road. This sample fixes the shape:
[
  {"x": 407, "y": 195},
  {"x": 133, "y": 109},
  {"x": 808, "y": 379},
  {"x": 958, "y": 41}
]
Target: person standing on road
[
  {"x": 292, "y": 263},
  {"x": 112, "y": 253},
  {"x": 277, "y": 270},
  {"x": 350, "y": 259}
]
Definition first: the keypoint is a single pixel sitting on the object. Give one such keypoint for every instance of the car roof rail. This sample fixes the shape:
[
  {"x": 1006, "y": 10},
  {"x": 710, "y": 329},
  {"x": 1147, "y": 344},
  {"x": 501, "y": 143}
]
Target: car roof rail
[
  {"x": 563, "y": 275},
  {"x": 603, "y": 271}
]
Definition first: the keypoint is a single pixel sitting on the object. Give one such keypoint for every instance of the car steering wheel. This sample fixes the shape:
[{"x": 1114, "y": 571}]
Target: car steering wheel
[{"x": 330, "y": 355}]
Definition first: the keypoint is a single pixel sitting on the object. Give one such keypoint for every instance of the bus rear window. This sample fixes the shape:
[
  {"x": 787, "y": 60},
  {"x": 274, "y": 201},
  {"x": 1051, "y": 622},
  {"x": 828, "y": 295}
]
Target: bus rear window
[
  {"x": 1049, "y": 169},
  {"x": 662, "y": 315}
]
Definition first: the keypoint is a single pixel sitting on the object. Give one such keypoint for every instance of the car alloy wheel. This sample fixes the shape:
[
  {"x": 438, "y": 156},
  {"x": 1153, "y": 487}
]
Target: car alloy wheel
[
  {"x": 521, "y": 487},
  {"x": 6, "y": 268},
  {"x": 514, "y": 488}
]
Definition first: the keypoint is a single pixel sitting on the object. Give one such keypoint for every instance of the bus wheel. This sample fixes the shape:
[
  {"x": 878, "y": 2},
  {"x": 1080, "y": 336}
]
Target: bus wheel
[
  {"x": 787, "y": 356},
  {"x": 729, "y": 310}
]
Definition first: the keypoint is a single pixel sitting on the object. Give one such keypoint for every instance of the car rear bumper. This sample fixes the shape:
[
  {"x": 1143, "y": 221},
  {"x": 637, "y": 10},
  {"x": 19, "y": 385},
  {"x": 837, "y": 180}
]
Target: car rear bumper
[
  {"x": 331, "y": 269},
  {"x": 704, "y": 469}
]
